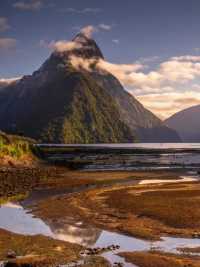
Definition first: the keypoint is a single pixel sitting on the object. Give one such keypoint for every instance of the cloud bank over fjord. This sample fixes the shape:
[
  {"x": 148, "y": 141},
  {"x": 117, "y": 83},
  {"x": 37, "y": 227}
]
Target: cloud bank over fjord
[{"x": 171, "y": 87}]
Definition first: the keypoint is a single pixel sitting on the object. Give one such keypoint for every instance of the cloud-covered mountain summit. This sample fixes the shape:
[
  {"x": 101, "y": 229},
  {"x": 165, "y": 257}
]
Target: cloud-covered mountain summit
[{"x": 71, "y": 98}]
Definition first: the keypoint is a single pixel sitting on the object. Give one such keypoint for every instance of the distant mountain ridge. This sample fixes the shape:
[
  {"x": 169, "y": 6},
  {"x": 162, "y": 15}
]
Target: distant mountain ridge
[
  {"x": 62, "y": 104},
  {"x": 186, "y": 123}
]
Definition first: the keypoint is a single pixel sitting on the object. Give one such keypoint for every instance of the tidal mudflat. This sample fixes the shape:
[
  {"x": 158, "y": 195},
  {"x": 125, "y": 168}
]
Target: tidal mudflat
[{"x": 96, "y": 210}]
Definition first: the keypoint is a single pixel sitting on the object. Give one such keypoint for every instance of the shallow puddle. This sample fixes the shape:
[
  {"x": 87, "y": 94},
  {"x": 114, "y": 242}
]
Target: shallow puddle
[{"x": 182, "y": 179}]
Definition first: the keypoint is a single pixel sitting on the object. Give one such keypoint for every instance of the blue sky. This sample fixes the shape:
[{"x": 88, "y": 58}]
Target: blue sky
[{"x": 150, "y": 33}]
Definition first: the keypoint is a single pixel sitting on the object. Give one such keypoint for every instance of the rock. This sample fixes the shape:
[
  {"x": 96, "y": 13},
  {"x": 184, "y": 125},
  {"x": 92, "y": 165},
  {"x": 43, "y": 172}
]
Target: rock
[
  {"x": 196, "y": 235},
  {"x": 11, "y": 254},
  {"x": 118, "y": 264}
]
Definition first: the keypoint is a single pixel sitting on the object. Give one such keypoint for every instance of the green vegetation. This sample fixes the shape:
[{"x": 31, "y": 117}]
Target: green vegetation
[
  {"x": 18, "y": 197},
  {"x": 84, "y": 113},
  {"x": 14, "y": 146}
]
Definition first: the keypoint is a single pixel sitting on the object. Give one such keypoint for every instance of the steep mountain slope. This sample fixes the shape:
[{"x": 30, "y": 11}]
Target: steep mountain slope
[
  {"x": 62, "y": 104},
  {"x": 186, "y": 123},
  {"x": 146, "y": 126}
]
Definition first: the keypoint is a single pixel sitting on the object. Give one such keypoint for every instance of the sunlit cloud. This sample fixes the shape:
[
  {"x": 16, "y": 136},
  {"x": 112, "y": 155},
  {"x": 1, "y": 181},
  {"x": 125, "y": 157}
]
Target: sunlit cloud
[
  {"x": 166, "y": 104},
  {"x": 61, "y": 45},
  {"x": 161, "y": 90},
  {"x": 89, "y": 30},
  {"x": 65, "y": 45},
  {"x": 6, "y": 82},
  {"x": 7, "y": 43},
  {"x": 4, "y": 26}
]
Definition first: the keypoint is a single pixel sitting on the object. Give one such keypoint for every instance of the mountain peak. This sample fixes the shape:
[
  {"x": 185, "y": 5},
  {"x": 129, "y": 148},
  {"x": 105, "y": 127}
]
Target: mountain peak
[
  {"x": 88, "y": 47},
  {"x": 81, "y": 38}
]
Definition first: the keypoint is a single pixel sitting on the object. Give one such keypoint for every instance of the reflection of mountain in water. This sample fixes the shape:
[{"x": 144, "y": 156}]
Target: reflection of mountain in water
[
  {"x": 18, "y": 219},
  {"x": 75, "y": 232},
  {"x": 66, "y": 229}
]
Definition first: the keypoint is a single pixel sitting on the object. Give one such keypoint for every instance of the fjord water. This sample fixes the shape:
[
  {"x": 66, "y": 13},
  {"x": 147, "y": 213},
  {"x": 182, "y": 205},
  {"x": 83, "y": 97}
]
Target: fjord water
[
  {"x": 127, "y": 156},
  {"x": 133, "y": 145}
]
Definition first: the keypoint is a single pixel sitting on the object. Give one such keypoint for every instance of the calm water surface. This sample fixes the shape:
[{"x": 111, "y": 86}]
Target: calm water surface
[{"x": 127, "y": 156}]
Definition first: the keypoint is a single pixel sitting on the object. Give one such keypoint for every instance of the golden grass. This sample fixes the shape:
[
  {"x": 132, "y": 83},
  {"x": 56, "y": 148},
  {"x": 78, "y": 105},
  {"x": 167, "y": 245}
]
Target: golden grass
[
  {"x": 159, "y": 259},
  {"x": 41, "y": 251},
  {"x": 40, "y": 248},
  {"x": 189, "y": 250},
  {"x": 148, "y": 211},
  {"x": 178, "y": 208}
]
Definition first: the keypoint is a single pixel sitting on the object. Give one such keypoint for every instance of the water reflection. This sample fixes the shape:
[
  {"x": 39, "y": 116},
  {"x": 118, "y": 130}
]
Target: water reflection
[
  {"x": 75, "y": 232},
  {"x": 16, "y": 219}
]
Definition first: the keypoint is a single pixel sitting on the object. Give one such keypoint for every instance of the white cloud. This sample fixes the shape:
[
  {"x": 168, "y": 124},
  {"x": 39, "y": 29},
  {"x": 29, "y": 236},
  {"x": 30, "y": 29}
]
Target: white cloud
[
  {"x": 176, "y": 70},
  {"x": 148, "y": 59},
  {"x": 30, "y": 5},
  {"x": 105, "y": 27},
  {"x": 4, "y": 26},
  {"x": 86, "y": 10},
  {"x": 187, "y": 58},
  {"x": 116, "y": 41},
  {"x": 88, "y": 64},
  {"x": 7, "y": 43},
  {"x": 89, "y": 30},
  {"x": 61, "y": 45},
  {"x": 167, "y": 103}
]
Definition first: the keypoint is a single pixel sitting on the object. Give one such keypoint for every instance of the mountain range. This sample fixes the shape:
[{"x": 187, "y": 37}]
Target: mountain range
[
  {"x": 186, "y": 123},
  {"x": 60, "y": 103}
]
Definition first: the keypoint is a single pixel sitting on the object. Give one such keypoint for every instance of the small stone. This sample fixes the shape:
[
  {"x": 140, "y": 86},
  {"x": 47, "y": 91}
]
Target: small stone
[{"x": 11, "y": 254}]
